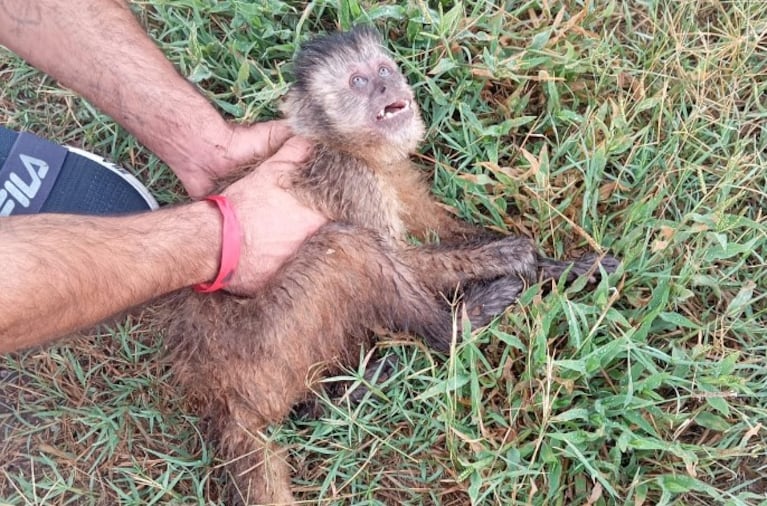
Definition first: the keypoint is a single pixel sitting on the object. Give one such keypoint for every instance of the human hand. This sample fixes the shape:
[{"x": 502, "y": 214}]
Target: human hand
[
  {"x": 239, "y": 145},
  {"x": 274, "y": 223}
]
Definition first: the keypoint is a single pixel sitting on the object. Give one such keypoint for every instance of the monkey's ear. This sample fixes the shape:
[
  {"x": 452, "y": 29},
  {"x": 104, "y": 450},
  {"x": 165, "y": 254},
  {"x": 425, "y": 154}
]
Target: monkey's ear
[
  {"x": 296, "y": 109},
  {"x": 289, "y": 104}
]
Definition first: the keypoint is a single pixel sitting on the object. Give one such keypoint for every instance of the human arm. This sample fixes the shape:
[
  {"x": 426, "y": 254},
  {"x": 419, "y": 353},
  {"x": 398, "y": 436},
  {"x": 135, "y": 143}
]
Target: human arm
[
  {"x": 97, "y": 48},
  {"x": 65, "y": 272}
]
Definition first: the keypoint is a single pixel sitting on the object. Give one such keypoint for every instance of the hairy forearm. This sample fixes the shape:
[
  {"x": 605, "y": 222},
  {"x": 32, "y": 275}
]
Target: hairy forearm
[
  {"x": 97, "y": 48},
  {"x": 62, "y": 272}
]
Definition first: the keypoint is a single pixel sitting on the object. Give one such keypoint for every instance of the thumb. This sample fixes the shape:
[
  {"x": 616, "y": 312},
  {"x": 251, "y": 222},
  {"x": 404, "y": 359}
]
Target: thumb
[
  {"x": 295, "y": 150},
  {"x": 286, "y": 160}
]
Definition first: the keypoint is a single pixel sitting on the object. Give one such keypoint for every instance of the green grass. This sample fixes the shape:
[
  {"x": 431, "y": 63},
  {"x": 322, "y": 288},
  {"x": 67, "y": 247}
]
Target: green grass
[{"x": 638, "y": 127}]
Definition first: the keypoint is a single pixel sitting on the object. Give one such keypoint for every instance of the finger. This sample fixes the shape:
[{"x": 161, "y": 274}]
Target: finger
[
  {"x": 199, "y": 189},
  {"x": 273, "y": 135},
  {"x": 281, "y": 165},
  {"x": 294, "y": 150},
  {"x": 290, "y": 156}
]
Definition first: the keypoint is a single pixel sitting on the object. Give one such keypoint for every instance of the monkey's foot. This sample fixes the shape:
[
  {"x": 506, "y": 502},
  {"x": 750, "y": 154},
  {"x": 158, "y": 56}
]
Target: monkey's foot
[
  {"x": 376, "y": 373},
  {"x": 484, "y": 300}
]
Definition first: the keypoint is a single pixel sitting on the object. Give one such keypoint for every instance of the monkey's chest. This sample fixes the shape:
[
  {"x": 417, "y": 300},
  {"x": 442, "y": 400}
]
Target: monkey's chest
[
  {"x": 386, "y": 216},
  {"x": 375, "y": 207},
  {"x": 355, "y": 195}
]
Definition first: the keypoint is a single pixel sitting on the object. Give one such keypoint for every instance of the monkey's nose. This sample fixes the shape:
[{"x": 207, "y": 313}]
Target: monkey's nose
[{"x": 382, "y": 89}]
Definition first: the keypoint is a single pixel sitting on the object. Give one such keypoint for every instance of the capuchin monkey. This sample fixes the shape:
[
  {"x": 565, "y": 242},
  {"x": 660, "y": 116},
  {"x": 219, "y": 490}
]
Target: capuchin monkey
[{"x": 246, "y": 361}]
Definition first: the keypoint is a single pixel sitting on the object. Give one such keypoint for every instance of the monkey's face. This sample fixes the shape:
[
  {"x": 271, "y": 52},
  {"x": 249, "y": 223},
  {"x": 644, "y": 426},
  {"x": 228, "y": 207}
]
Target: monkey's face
[
  {"x": 377, "y": 102},
  {"x": 349, "y": 93}
]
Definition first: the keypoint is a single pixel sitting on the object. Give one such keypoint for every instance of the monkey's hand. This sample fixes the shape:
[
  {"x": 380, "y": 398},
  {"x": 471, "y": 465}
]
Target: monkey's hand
[{"x": 274, "y": 223}]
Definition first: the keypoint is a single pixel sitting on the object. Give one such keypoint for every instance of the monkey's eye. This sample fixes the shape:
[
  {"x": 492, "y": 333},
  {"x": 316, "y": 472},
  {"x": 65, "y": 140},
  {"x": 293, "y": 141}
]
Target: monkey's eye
[
  {"x": 384, "y": 71},
  {"x": 358, "y": 81}
]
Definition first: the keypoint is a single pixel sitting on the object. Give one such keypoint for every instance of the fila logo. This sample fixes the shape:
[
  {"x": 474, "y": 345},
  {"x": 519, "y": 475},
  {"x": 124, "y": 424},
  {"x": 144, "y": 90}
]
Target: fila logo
[{"x": 21, "y": 191}]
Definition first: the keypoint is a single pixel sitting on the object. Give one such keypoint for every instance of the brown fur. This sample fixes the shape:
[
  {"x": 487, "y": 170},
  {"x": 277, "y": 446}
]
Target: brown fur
[{"x": 248, "y": 361}]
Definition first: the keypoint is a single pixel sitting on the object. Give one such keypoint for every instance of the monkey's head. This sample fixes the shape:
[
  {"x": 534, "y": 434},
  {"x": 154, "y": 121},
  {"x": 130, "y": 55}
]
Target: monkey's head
[{"x": 349, "y": 93}]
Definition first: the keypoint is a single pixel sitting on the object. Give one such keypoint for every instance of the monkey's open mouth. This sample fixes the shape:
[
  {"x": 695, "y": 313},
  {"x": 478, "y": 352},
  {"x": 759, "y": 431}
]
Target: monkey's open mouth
[{"x": 393, "y": 109}]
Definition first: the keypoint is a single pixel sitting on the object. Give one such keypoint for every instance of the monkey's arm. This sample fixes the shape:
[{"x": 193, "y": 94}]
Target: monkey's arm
[
  {"x": 442, "y": 267},
  {"x": 97, "y": 48}
]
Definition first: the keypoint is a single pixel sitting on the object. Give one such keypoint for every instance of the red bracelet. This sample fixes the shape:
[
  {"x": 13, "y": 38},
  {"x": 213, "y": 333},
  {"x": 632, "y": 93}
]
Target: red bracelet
[{"x": 230, "y": 246}]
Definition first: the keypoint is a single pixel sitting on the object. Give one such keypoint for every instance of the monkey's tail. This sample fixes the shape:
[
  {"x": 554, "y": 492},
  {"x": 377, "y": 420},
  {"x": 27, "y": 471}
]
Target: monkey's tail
[{"x": 257, "y": 470}]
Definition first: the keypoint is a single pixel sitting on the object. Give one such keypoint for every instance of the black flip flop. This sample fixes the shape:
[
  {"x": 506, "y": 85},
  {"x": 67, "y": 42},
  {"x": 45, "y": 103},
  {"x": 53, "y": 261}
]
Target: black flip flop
[{"x": 38, "y": 176}]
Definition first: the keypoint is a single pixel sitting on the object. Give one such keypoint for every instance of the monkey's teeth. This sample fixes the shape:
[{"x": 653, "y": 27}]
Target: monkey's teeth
[{"x": 393, "y": 109}]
